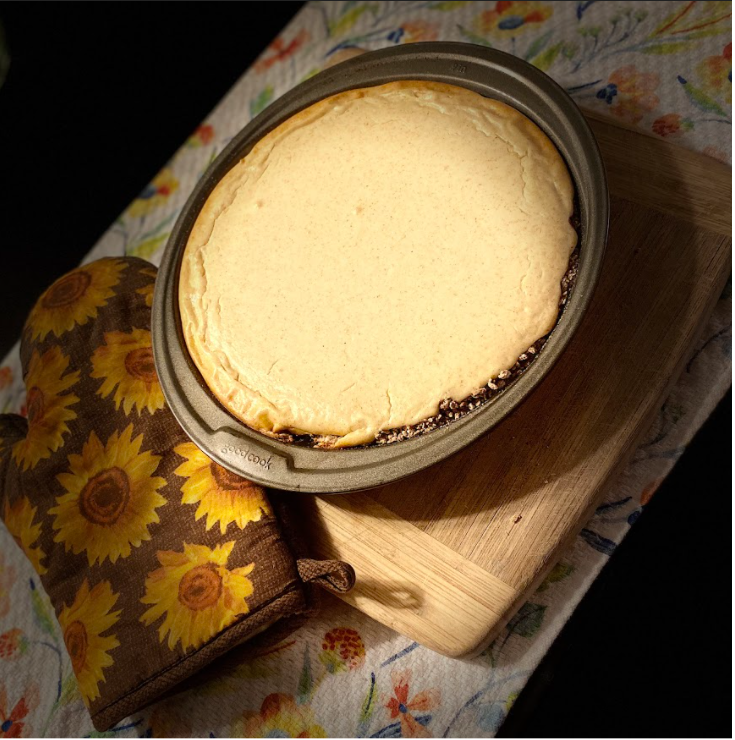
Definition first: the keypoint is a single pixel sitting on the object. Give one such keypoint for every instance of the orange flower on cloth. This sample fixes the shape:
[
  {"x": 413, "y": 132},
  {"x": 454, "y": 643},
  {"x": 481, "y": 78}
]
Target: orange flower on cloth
[
  {"x": 222, "y": 496},
  {"x": 13, "y": 644},
  {"x": 125, "y": 364},
  {"x": 342, "y": 649},
  {"x": 672, "y": 124},
  {"x": 279, "y": 50},
  {"x": 716, "y": 74},
  {"x": 713, "y": 151},
  {"x": 111, "y": 498},
  {"x": 418, "y": 30},
  {"x": 6, "y": 377},
  {"x": 203, "y": 135},
  {"x": 75, "y": 298},
  {"x": 155, "y": 194},
  {"x": 400, "y": 706},
  {"x": 279, "y": 716},
  {"x": 19, "y": 519},
  {"x": 196, "y": 594},
  {"x": 11, "y": 720},
  {"x": 48, "y": 407},
  {"x": 630, "y": 93},
  {"x": 83, "y": 624},
  {"x": 508, "y": 19}
]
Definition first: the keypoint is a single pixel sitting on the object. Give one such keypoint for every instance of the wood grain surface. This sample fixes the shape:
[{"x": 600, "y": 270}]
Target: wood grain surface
[{"x": 446, "y": 556}]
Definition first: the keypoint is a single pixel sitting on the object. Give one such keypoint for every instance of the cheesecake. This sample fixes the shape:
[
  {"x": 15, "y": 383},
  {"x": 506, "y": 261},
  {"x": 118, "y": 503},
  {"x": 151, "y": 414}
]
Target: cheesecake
[{"x": 380, "y": 254}]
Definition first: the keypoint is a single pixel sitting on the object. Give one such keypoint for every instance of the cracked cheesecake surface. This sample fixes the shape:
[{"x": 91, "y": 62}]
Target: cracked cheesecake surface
[{"x": 381, "y": 251}]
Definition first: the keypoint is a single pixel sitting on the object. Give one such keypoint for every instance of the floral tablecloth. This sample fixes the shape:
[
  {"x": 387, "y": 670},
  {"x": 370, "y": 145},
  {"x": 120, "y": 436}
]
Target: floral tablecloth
[{"x": 662, "y": 66}]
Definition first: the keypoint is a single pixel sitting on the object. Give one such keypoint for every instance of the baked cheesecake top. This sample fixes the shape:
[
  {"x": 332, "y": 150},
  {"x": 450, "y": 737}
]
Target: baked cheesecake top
[{"x": 382, "y": 250}]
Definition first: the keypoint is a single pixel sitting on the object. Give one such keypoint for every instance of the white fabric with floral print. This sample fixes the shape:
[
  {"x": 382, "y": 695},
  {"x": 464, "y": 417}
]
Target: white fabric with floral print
[{"x": 663, "y": 67}]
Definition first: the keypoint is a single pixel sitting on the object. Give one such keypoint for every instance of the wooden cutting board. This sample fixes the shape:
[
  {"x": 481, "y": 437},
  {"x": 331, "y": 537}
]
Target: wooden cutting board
[{"x": 446, "y": 556}]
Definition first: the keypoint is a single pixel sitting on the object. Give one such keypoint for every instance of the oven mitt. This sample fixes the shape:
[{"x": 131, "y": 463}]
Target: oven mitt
[{"x": 156, "y": 559}]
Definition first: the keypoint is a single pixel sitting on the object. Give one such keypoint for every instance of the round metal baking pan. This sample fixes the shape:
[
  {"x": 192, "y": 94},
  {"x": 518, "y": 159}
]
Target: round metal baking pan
[{"x": 298, "y": 468}]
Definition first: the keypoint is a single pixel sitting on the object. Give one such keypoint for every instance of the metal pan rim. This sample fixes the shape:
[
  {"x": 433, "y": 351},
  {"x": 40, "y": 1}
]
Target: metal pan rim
[{"x": 295, "y": 468}]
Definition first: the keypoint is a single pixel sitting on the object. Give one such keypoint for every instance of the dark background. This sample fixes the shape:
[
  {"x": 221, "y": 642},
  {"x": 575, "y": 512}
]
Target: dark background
[{"x": 99, "y": 96}]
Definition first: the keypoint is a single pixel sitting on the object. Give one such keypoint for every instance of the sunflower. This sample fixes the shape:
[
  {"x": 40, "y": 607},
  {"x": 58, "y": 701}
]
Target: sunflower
[
  {"x": 147, "y": 290},
  {"x": 197, "y": 594},
  {"x": 125, "y": 362},
  {"x": 19, "y": 518},
  {"x": 111, "y": 498},
  {"x": 74, "y": 298},
  {"x": 47, "y": 408},
  {"x": 223, "y": 496},
  {"x": 83, "y": 624}
]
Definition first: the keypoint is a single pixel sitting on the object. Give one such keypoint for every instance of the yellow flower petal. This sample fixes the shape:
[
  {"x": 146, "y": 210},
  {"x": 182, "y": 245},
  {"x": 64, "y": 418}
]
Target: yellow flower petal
[
  {"x": 279, "y": 716},
  {"x": 48, "y": 407},
  {"x": 125, "y": 365},
  {"x": 19, "y": 518},
  {"x": 147, "y": 290},
  {"x": 196, "y": 594},
  {"x": 83, "y": 624},
  {"x": 111, "y": 498},
  {"x": 155, "y": 195},
  {"x": 75, "y": 298},
  {"x": 222, "y": 496}
]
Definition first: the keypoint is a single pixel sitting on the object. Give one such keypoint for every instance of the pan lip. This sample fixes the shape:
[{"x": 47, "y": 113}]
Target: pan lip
[{"x": 295, "y": 468}]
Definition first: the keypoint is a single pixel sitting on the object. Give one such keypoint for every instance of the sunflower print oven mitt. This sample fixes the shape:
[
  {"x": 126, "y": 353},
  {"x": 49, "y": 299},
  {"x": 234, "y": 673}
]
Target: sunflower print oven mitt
[{"x": 156, "y": 559}]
